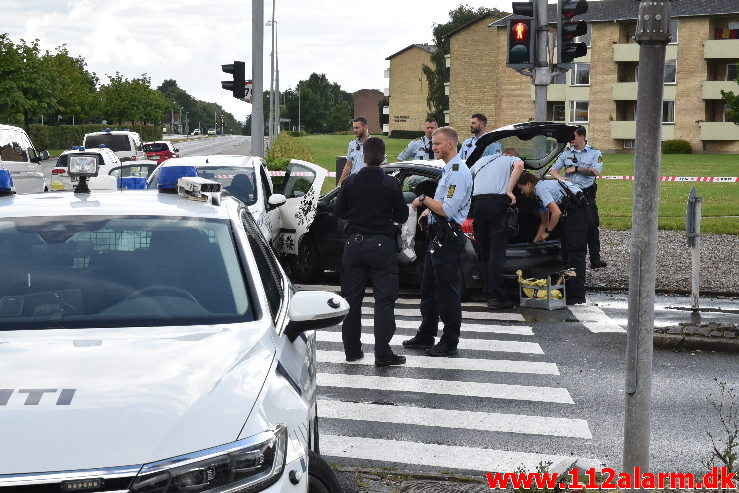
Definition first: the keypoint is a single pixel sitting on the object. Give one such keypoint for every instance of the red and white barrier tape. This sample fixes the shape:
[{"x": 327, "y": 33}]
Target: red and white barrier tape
[
  {"x": 708, "y": 179},
  {"x": 299, "y": 173}
]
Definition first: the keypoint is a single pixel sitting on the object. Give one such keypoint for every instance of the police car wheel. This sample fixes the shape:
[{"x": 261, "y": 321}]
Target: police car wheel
[
  {"x": 321, "y": 478},
  {"x": 306, "y": 265}
]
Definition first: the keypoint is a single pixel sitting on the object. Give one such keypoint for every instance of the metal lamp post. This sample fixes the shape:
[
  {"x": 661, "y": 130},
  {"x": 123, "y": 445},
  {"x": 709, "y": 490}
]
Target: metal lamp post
[{"x": 272, "y": 23}]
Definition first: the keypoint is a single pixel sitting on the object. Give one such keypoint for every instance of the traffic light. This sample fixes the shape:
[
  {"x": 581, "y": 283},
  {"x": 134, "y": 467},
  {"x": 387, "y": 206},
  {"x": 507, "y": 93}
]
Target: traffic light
[
  {"x": 568, "y": 30},
  {"x": 522, "y": 36},
  {"x": 236, "y": 86}
]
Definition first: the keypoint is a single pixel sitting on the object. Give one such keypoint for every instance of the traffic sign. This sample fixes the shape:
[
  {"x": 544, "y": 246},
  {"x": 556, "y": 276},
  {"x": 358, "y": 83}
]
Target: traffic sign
[{"x": 247, "y": 91}]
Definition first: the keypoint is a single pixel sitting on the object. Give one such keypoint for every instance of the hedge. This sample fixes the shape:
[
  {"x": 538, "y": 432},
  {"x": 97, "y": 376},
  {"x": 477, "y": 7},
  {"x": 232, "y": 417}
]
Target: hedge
[
  {"x": 677, "y": 146},
  {"x": 406, "y": 134},
  {"x": 66, "y": 136},
  {"x": 295, "y": 133}
]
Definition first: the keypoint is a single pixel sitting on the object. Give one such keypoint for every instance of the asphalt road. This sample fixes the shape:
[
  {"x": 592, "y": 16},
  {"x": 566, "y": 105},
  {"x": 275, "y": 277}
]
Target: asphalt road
[{"x": 528, "y": 386}]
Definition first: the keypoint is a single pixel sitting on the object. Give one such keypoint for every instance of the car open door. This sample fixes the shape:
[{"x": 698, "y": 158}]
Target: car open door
[{"x": 301, "y": 187}]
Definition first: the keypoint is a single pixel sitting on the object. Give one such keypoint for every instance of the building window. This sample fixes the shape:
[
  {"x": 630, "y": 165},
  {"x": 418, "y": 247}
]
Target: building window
[
  {"x": 629, "y": 143},
  {"x": 670, "y": 71},
  {"x": 557, "y": 112},
  {"x": 668, "y": 111},
  {"x": 579, "y": 111},
  {"x": 580, "y": 75},
  {"x": 673, "y": 31},
  {"x": 731, "y": 71},
  {"x": 560, "y": 78}
]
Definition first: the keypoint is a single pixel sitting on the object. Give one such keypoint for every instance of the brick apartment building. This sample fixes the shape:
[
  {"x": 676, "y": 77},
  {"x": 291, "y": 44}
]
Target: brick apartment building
[
  {"x": 408, "y": 89},
  {"x": 600, "y": 92},
  {"x": 367, "y": 104}
]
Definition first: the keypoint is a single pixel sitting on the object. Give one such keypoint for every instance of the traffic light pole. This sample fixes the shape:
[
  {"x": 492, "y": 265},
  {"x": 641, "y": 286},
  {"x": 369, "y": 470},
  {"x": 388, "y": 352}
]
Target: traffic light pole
[
  {"x": 257, "y": 69},
  {"x": 542, "y": 72},
  {"x": 653, "y": 35}
]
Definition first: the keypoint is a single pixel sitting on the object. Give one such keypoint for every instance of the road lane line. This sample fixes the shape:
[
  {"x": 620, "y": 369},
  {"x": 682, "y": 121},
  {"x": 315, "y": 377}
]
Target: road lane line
[
  {"x": 464, "y": 364},
  {"x": 467, "y": 420},
  {"x": 519, "y": 330}
]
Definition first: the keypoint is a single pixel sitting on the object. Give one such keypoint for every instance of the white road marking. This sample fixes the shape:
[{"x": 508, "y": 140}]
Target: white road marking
[
  {"x": 416, "y": 312},
  {"x": 467, "y": 420},
  {"x": 595, "y": 319},
  {"x": 520, "y": 330},
  {"x": 427, "y": 362},
  {"x": 447, "y": 387},
  {"x": 478, "y": 344},
  {"x": 441, "y": 456}
]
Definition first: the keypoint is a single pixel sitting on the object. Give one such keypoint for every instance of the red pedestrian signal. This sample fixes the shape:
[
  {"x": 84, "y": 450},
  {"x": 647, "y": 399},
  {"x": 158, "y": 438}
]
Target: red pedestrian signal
[
  {"x": 521, "y": 36},
  {"x": 520, "y": 31}
]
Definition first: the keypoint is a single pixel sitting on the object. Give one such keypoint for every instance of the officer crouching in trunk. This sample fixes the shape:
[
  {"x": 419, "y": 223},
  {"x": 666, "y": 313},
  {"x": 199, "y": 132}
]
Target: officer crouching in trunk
[
  {"x": 446, "y": 211},
  {"x": 563, "y": 200},
  {"x": 371, "y": 201}
]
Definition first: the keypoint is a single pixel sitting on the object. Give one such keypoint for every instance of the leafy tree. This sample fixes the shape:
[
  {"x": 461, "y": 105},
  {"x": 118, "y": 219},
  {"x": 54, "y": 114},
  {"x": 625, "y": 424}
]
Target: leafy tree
[
  {"x": 132, "y": 100},
  {"x": 77, "y": 87},
  {"x": 437, "y": 74},
  {"x": 198, "y": 112},
  {"x": 324, "y": 106},
  {"x": 732, "y": 100}
]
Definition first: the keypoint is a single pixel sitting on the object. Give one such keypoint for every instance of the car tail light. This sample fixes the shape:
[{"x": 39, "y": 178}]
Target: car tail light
[
  {"x": 468, "y": 228},
  {"x": 58, "y": 171},
  {"x": 133, "y": 158}
]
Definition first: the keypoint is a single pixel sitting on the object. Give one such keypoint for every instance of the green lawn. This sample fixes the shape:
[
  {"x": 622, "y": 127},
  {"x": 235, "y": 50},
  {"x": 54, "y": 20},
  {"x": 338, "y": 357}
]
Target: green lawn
[{"x": 614, "y": 196}]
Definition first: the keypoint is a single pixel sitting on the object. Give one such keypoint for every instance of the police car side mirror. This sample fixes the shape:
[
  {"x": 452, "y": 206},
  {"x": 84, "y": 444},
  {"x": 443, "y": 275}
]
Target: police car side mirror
[
  {"x": 275, "y": 200},
  {"x": 311, "y": 310}
]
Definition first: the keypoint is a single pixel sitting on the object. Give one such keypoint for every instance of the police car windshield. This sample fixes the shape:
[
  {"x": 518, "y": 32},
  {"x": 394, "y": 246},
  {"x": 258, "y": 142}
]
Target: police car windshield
[
  {"x": 238, "y": 181},
  {"x": 116, "y": 143},
  {"x": 94, "y": 271}
]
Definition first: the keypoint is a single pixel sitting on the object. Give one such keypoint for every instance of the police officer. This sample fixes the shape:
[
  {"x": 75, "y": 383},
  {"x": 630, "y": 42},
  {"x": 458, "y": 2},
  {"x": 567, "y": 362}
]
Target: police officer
[
  {"x": 440, "y": 285},
  {"x": 421, "y": 148},
  {"x": 554, "y": 196},
  {"x": 582, "y": 164},
  {"x": 371, "y": 201},
  {"x": 355, "y": 152},
  {"x": 478, "y": 127},
  {"x": 494, "y": 178}
]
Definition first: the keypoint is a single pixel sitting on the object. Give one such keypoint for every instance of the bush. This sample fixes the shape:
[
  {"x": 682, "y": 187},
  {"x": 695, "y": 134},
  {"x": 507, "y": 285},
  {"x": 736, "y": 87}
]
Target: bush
[
  {"x": 284, "y": 149},
  {"x": 677, "y": 146},
  {"x": 295, "y": 133},
  {"x": 406, "y": 134},
  {"x": 66, "y": 136}
]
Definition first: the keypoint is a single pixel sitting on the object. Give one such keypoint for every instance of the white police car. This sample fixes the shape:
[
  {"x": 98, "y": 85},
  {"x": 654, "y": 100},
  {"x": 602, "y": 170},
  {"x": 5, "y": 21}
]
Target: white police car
[
  {"x": 126, "y": 144},
  {"x": 153, "y": 345},
  {"x": 106, "y": 161}
]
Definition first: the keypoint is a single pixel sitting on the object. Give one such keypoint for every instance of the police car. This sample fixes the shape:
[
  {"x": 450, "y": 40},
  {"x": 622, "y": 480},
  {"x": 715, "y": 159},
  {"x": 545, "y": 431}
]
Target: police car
[
  {"x": 153, "y": 345},
  {"x": 105, "y": 159}
]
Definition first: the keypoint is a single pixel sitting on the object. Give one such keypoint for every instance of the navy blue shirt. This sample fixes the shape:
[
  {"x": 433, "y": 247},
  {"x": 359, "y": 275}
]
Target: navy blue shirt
[{"x": 372, "y": 201}]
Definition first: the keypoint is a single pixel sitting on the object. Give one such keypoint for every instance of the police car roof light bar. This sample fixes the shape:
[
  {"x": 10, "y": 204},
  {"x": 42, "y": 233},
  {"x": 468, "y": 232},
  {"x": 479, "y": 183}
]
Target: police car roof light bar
[
  {"x": 6, "y": 183},
  {"x": 168, "y": 176}
]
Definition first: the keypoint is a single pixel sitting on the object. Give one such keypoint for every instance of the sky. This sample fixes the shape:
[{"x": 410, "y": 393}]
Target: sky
[{"x": 188, "y": 40}]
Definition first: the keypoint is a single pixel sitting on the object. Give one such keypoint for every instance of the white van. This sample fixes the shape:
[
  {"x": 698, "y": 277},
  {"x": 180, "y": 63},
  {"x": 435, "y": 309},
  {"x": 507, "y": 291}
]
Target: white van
[
  {"x": 127, "y": 145},
  {"x": 18, "y": 156}
]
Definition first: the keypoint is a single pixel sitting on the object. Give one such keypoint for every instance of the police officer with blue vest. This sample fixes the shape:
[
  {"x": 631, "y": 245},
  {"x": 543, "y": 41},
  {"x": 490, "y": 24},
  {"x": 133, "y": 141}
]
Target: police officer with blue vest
[
  {"x": 355, "y": 150},
  {"x": 562, "y": 200},
  {"x": 494, "y": 178},
  {"x": 421, "y": 148},
  {"x": 478, "y": 127},
  {"x": 581, "y": 164},
  {"x": 446, "y": 212}
]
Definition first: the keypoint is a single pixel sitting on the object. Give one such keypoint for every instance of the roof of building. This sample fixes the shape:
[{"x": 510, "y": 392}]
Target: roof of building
[
  {"x": 614, "y": 10},
  {"x": 477, "y": 19},
  {"x": 424, "y": 46}
]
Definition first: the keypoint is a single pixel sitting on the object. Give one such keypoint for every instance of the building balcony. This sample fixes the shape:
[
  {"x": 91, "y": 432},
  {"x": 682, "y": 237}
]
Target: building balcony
[
  {"x": 711, "y": 89},
  {"x": 629, "y": 52},
  {"x": 627, "y": 91},
  {"x": 387, "y": 73},
  {"x": 386, "y": 92},
  {"x": 721, "y": 48},
  {"x": 447, "y": 61},
  {"x": 627, "y": 130},
  {"x": 719, "y": 131},
  {"x": 446, "y": 88},
  {"x": 386, "y": 110}
]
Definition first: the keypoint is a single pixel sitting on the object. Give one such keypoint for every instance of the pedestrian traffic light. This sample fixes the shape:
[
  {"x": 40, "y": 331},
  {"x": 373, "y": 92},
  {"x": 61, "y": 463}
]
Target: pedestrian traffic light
[
  {"x": 522, "y": 36},
  {"x": 236, "y": 86},
  {"x": 568, "y": 30}
]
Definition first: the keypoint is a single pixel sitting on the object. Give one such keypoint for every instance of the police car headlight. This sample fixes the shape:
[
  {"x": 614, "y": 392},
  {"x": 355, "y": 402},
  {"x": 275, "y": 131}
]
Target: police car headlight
[
  {"x": 246, "y": 466},
  {"x": 83, "y": 166}
]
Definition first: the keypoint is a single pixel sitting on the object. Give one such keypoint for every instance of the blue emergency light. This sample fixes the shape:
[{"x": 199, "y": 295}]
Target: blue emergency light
[
  {"x": 74, "y": 148},
  {"x": 81, "y": 148},
  {"x": 168, "y": 176},
  {"x": 131, "y": 183},
  {"x": 6, "y": 183},
  {"x": 101, "y": 146},
  {"x": 107, "y": 130}
]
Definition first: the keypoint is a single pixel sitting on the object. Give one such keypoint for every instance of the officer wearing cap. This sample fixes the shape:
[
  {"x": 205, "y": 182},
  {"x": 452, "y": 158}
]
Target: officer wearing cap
[
  {"x": 478, "y": 127},
  {"x": 371, "y": 201},
  {"x": 355, "y": 151},
  {"x": 440, "y": 285},
  {"x": 421, "y": 148},
  {"x": 562, "y": 200},
  {"x": 582, "y": 164},
  {"x": 494, "y": 178}
]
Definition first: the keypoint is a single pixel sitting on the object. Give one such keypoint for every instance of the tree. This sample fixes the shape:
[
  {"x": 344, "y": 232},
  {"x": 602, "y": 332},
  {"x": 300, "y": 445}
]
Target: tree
[
  {"x": 132, "y": 100},
  {"x": 437, "y": 74},
  {"x": 732, "y": 101},
  {"x": 77, "y": 94},
  {"x": 324, "y": 106}
]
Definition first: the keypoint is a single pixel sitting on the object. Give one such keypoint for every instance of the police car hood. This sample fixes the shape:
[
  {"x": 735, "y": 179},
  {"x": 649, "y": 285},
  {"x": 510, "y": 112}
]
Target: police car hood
[{"x": 94, "y": 398}]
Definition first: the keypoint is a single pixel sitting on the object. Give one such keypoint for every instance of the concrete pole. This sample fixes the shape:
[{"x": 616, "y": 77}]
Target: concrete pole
[
  {"x": 277, "y": 93},
  {"x": 257, "y": 69},
  {"x": 696, "y": 255},
  {"x": 272, "y": 79},
  {"x": 542, "y": 71},
  {"x": 652, "y": 34}
]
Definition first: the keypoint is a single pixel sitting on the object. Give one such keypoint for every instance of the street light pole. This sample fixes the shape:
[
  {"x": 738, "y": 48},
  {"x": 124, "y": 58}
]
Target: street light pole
[
  {"x": 277, "y": 87},
  {"x": 257, "y": 104},
  {"x": 271, "y": 23},
  {"x": 298, "y": 107}
]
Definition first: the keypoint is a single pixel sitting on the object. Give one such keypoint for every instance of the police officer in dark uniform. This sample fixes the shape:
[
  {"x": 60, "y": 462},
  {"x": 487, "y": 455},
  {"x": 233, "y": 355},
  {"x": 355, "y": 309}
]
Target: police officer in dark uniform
[
  {"x": 440, "y": 285},
  {"x": 371, "y": 201},
  {"x": 494, "y": 178},
  {"x": 563, "y": 200}
]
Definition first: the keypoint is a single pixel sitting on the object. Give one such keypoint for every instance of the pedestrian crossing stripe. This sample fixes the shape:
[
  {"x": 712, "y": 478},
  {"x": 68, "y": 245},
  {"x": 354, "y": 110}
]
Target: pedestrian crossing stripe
[
  {"x": 519, "y": 330},
  {"x": 557, "y": 395},
  {"x": 475, "y": 344},
  {"x": 416, "y": 312},
  {"x": 595, "y": 319},
  {"x": 443, "y": 456},
  {"x": 463, "y": 364},
  {"x": 466, "y": 420}
]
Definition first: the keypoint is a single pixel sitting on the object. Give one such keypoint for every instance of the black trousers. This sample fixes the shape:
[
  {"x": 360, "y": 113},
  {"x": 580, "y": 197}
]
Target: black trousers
[
  {"x": 593, "y": 231},
  {"x": 574, "y": 246},
  {"x": 492, "y": 236},
  {"x": 440, "y": 290},
  {"x": 369, "y": 257}
]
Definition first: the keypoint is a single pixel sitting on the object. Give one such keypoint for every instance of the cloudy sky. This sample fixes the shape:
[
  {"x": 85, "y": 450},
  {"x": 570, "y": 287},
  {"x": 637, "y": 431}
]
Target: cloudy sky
[{"x": 188, "y": 40}]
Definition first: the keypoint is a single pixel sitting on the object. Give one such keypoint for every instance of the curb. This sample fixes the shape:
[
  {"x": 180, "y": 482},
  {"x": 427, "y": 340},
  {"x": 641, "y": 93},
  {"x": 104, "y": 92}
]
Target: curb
[
  {"x": 679, "y": 343},
  {"x": 414, "y": 481}
]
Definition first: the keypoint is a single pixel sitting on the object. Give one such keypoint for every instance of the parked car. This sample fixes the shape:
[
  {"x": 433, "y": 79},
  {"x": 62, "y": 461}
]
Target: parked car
[
  {"x": 162, "y": 345},
  {"x": 60, "y": 179},
  {"x": 195, "y": 132},
  {"x": 538, "y": 144},
  {"x": 126, "y": 144},
  {"x": 160, "y": 151},
  {"x": 18, "y": 156},
  {"x": 211, "y": 131}
]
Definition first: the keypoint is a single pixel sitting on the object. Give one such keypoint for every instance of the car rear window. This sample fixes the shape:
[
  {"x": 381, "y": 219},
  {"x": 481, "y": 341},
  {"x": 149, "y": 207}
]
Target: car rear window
[
  {"x": 155, "y": 147},
  {"x": 62, "y": 161},
  {"x": 93, "y": 271},
  {"x": 116, "y": 143}
]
